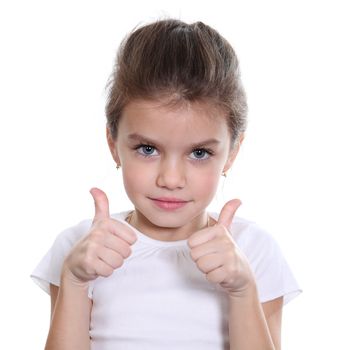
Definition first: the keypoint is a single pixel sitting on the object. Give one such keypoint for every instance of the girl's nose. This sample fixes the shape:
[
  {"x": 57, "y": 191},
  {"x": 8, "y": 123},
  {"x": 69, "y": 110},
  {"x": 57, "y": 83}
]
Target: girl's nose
[{"x": 171, "y": 175}]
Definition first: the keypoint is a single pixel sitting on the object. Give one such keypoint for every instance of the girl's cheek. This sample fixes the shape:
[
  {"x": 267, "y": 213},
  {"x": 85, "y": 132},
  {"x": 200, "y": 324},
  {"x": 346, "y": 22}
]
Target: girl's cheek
[
  {"x": 211, "y": 182},
  {"x": 137, "y": 179},
  {"x": 204, "y": 183}
]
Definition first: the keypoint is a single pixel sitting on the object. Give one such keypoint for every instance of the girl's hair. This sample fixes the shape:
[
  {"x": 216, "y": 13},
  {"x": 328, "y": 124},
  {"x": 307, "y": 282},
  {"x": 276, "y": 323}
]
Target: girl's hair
[{"x": 181, "y": 62}]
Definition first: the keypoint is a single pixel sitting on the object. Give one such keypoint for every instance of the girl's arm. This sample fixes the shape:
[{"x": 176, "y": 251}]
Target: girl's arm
[
  {"x": 70, "y": 320},
  {"x": 273, "y": 315},
  {"x": 249, "y": 327},
  {"x": 252, "y": 325},
  {"x": 98, "y": 253},
  {"x": 53, "y": 294}
]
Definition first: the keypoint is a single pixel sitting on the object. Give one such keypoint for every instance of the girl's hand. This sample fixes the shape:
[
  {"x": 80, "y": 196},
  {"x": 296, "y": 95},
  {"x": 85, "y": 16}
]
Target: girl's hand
[
  {"x": 217, "y": 255},
  {"x": 103, "y": 249}
]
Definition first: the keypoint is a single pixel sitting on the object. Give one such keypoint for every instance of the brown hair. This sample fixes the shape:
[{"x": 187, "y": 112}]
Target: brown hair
[{"x": 186, "y": 62}]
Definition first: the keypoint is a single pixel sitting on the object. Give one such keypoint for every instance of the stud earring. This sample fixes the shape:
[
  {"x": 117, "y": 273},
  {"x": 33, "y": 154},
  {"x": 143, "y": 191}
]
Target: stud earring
[
  {"x": 118, "y": 166},
  {"x": 224, "y": 174}
]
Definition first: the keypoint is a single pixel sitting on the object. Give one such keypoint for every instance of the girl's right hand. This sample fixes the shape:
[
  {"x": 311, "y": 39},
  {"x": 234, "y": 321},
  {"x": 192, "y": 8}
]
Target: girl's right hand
[{"x": 103, "y": 249}]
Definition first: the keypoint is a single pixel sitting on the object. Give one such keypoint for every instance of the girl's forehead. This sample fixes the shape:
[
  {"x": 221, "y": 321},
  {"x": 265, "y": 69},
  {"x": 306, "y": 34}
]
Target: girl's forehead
[{"x": 187, "y": 117}]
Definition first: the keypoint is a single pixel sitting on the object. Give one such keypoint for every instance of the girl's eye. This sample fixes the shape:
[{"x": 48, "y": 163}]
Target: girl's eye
[
  {"x": 202, "y": 154},
  {"x": 147, "y": 150}
]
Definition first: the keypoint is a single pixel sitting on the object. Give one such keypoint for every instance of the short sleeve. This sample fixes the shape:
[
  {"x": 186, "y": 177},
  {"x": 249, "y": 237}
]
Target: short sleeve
[
  {"x": 273, "y": 275},
  {"x": 48, "y": 270}
]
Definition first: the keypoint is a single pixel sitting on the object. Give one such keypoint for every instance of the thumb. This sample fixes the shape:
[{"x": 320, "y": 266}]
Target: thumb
[
  {"x": 228, "y": 211},
  {"x": 101, "y": 204}
]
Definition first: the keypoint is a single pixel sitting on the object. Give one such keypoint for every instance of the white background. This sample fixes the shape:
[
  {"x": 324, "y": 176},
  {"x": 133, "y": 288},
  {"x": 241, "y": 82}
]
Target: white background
[{"x": 292, "y": 172}]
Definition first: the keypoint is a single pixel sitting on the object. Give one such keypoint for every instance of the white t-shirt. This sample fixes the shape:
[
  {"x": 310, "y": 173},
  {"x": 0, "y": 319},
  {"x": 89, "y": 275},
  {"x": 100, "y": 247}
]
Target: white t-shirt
[{"x": 159, "y": 299}]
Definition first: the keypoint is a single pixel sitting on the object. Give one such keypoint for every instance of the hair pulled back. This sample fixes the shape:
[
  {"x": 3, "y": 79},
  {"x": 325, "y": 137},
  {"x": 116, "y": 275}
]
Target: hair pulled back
[{"x": 184, "y": 62}]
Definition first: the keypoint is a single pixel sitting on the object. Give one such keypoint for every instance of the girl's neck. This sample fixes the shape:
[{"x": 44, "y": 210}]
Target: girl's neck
[{"x": 142, "y": 224}]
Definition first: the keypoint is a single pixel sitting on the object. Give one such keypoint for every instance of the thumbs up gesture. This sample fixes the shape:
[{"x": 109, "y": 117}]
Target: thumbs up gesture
[
  {"x": 217, "y": 255},
  {"x": 103, "y": 249}
]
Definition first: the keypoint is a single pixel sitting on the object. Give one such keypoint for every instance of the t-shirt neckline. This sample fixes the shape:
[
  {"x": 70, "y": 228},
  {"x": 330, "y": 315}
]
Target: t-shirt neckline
[{"x": 143, "y": 237}]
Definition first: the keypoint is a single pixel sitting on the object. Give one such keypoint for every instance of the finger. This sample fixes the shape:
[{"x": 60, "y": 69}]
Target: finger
[
  {"x": 202, "y": 236},
  {"x": 103, "y": 269},
  {"x": 217, "y": 275},
  {"x": 117, "y": 244},
  {"x": 121, "y": 230},
  {"x": 210, "y": 262},
  {"x": 101, "y": 204},
  {"x": 209, "y": 247},
  {"x": 110, "y": 257},
  {"x": 228, "y": 211}
]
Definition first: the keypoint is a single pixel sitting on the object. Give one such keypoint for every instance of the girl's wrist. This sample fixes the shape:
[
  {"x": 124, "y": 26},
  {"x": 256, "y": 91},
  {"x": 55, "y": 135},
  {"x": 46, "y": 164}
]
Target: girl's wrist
[
  {"x": 68, "y": 279},
  {"x": 250, "y": 291}
]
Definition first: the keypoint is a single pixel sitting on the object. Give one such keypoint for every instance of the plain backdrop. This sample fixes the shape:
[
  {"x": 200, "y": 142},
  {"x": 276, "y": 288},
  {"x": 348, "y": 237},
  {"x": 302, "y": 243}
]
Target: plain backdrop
[{"x": 292, "y": 173}]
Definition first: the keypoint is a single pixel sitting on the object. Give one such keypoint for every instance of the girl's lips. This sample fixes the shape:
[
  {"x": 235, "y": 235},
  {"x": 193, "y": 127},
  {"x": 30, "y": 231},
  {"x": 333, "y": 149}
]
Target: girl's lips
[
  {"x": 169, "y": 199},
  {"x": 169, "y": 205}
]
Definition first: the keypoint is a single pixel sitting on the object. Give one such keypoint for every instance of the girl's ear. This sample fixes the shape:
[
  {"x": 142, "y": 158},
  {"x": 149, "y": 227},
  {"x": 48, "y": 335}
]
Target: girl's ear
[
  {"x": 233, "y": 153},
  {"x": 112, "y": 146}
]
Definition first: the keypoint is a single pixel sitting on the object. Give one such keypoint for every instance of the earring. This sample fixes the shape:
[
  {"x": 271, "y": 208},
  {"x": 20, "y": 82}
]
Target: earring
[
  {"x": 224, "y": 174},
  {"x": 118, "y": 166}
]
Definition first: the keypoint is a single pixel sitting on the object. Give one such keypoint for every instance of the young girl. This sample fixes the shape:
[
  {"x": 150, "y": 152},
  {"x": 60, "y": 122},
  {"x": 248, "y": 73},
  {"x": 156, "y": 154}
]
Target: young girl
[{"x": 168, "y": 274}]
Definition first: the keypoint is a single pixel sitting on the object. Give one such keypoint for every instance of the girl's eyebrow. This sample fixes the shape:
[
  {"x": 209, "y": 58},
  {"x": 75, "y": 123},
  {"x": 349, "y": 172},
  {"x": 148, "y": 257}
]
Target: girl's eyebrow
[{"x": 141, "y": 138}]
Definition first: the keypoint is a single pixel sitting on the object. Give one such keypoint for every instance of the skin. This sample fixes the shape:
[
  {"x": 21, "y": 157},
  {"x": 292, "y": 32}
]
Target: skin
[{"x": 170, "y": 169}]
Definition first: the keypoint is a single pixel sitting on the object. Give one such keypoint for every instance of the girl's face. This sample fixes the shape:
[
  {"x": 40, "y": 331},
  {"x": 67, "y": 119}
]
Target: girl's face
[{"x": 171, "y": 153}]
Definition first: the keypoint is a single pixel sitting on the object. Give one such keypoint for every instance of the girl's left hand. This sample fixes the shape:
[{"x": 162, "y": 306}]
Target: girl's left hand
[{"x": 217, "y": 255}]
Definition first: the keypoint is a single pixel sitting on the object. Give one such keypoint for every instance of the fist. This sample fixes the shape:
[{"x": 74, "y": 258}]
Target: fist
[
  {"x": 217, "y": 255},
  {"x": 103, "y": 249}
]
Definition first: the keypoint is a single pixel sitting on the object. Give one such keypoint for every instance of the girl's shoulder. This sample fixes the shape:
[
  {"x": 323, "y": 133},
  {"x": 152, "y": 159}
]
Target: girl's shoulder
[{"x": 74, "y": 232}]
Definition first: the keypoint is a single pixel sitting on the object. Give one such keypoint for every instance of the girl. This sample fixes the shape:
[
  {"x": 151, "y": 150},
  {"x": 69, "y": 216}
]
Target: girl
[{"x": 168, "y": 274}]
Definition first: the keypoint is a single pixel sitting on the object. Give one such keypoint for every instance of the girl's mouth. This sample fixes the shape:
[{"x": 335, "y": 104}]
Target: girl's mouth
[{"x": 169, "y": 203}]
